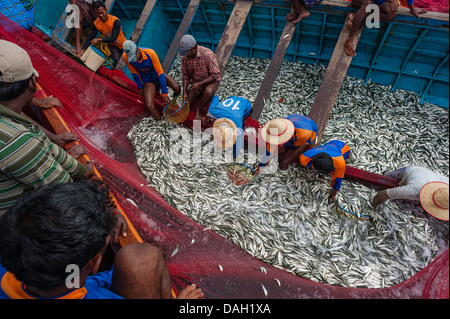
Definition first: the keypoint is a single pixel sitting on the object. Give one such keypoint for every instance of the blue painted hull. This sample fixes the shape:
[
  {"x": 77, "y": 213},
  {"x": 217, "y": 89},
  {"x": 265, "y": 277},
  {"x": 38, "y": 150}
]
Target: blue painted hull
[{"x": 407, "y": 53}]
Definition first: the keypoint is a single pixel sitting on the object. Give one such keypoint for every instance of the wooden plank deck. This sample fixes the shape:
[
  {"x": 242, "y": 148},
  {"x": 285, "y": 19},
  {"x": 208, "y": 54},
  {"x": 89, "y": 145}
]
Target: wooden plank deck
[
  {"x": 332, "y": 82},
  {"x": 231, "y": 33},
  {"x": 272, "y": 71},
  {"x": 182, "y": 29},
  {"x": 139, "y": 27}
]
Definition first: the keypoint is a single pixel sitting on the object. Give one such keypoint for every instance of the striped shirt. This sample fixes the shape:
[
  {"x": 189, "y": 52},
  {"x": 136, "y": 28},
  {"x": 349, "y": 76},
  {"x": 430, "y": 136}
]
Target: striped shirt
[
  {"x": 28, "y": 159},
  {"x": 201, "y": 67}
]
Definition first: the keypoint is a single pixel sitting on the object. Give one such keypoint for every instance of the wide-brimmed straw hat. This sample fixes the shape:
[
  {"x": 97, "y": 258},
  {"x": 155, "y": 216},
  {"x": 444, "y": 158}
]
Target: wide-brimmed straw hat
[
  {"x": 434, "y": 199},
  {"x": 278, "y": 131},
  {"x": 225, "y": 133}
]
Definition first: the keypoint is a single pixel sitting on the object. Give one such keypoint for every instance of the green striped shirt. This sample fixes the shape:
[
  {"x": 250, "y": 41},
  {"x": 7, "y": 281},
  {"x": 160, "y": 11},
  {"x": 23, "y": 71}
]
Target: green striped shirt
[{"x": 28, "y": 159}]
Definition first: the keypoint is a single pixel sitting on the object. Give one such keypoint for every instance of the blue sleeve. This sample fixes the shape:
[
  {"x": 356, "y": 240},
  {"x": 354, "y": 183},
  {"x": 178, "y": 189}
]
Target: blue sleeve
[
  {"x": 162, "y": 82},
  {"x": 2, "y": 273},
  {"x": 410, "y": 2},
  {"x": 101, "y": 280},
  {"x": 214, "y": 101},
  {"x": 248, "y": 108},
  {"x": 337, "y": 184},
  {"x": 137, "y": 80}
]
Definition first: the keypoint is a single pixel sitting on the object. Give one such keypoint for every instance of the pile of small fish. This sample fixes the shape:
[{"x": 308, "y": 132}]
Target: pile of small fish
[{"x": 286, "y": 218}]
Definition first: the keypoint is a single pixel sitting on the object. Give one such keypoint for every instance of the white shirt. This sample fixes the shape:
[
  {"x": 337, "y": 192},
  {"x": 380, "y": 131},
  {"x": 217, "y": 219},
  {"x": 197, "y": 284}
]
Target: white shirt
[{"x": 413, "y": 178}]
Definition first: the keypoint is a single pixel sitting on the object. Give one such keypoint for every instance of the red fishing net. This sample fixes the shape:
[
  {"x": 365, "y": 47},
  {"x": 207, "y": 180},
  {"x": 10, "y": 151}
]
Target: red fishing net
[
  {"x": 430, "y": 5},
  {"x": 101, "y": 113}
]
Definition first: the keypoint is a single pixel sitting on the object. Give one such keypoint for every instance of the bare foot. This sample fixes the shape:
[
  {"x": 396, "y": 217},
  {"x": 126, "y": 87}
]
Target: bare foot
[
  {"x": 77, "y": 151},
  {"x": 302, "y": 15},
  {"x": 291, "y": 16},
  {"x": 191, "y": 292},
  {"x": 155, "y": 114},
  {"x": 349, "y": 47},
  {"x": 350, "y": 20}
]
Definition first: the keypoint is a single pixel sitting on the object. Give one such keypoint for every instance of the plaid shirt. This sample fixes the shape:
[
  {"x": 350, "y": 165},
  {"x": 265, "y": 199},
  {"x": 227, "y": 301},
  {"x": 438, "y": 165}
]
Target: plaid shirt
[{"x": 201, "y": 67}]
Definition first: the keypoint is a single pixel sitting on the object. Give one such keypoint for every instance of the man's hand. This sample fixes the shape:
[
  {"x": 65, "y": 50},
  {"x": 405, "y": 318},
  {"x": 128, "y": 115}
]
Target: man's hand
[
  {"x": 64, "y": 138},
  {"x": 50, "y": 102},
  {"x": 417, "y": 11},
  {"x": 167, "y": 100},
  {"x": 90, "y": 170},
  {"x": 119, "y": 229},
  {"x": 185, "y": 97},
  {"x": 80, "y": 53},
  {"x": 333, "y": 194},
  {"x": 197, "y": 88},
  {"x": 77, "y": 151},
  {"x": 96, "y": 41},
  {"x": 379, "y": 198}
]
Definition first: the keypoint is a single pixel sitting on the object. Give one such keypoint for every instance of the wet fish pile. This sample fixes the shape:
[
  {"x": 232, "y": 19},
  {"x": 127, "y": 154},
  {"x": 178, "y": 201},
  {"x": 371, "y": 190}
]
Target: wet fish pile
[{"x": 285, "y": 218}]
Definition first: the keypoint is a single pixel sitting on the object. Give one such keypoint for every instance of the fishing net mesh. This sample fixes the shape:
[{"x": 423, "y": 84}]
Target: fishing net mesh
[{"x": 102, "y": 113}]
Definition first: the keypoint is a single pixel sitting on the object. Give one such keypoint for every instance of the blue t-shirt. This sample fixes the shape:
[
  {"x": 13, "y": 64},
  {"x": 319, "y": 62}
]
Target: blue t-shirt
[
  {"x": 96, "y": 287},
  {"x": 234, "y": 108}
]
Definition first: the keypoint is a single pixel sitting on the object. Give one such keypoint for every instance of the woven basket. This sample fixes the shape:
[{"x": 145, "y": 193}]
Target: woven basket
[
  {"x": 241, "y": 174},
  {"x": 175, "y": 113}
]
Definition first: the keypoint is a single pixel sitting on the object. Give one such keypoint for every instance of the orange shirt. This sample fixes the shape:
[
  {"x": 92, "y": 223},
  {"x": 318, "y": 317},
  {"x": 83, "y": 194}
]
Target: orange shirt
[{"x": 105, "y": 28}]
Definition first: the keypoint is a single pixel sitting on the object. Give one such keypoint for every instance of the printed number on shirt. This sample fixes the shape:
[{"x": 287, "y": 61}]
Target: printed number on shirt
[{"x": 231, "y": 102}]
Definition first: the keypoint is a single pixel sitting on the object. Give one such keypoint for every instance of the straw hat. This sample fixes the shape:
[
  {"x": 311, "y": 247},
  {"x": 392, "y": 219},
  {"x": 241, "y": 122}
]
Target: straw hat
[
  {"x": 434, "y": 199},
  {"x": 225, "y": 133},
  {"x": 278, "y": 131}
]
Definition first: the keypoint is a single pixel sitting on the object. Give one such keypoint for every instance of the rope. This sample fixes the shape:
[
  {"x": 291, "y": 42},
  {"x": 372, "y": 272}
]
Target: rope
[{"x": 28, "y": 4}]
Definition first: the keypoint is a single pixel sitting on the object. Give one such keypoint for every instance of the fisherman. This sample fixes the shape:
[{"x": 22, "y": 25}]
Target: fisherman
[
  {"x": 293, "y": 136},
  {"x": 421, "y": 185},
  {"x": 149, "y": 75},
  {"x": 388, "y": 12},
  {"x": 201, "y": 74},
  {"x": 88, "y": 14},
  {"x": 329, "y": 158},
  {"x": 228, "y": 118},
  {"x": 110, "y": 30},
  {"x": 52, "y": 249},
  {"x": 28, "y": 159},
  {"x": 300, "y": 9}
]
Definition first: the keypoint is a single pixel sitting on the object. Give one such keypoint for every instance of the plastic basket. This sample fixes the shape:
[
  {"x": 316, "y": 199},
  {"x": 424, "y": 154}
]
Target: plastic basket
[
  {"x": 175, "y": 113},
  {"x": 93, "y": 58}
]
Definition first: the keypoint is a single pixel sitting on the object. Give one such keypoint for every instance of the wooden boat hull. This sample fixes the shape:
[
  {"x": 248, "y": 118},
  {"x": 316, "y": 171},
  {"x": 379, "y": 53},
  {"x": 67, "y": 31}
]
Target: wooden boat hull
[{"x": 407, "y": 53}]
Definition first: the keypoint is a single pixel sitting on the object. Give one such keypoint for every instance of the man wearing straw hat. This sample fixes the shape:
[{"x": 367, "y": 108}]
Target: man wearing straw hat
[
  {"x": 292, "y": 135},
  {"x": 228, "y": 118},
  {"x": 421, "y": 185},
  {"x": 149, "y": 75}
]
